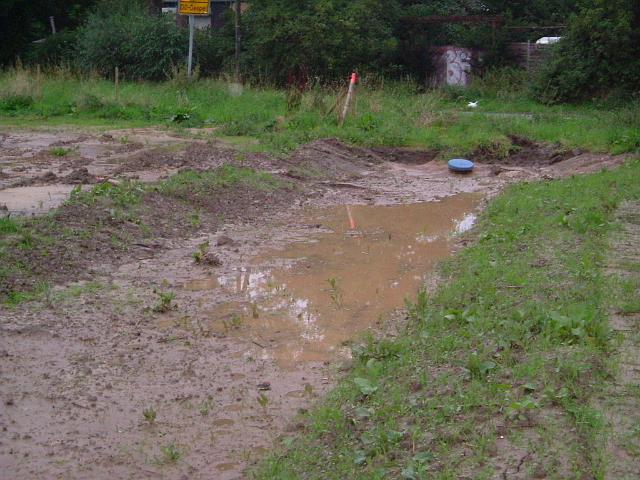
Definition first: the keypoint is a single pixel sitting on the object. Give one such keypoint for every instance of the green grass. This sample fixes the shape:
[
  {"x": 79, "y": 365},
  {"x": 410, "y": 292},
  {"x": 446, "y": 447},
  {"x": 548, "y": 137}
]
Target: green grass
[
  {"x": 395, "y": 114},
  {"x": 504, "y": 357},
  {"x": 200, "y": 184}
]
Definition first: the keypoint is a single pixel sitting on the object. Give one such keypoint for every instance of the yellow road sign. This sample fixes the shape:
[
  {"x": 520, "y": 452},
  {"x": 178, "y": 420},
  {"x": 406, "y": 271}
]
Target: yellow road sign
[{"x": 194, "y": 7}]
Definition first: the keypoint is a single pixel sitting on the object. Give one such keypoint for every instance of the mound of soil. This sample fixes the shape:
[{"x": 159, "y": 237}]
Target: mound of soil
[
  {"x": 82, "y": 240},
  {"x": 79, "y": 176},
  {"x": 523, "y": 152},
  {"x": 333, "y": 160},
  {"x": 148, "y": 160}
]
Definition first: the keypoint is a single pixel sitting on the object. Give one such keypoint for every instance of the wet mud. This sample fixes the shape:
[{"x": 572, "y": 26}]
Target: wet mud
[{"x": 243, "y": 347}]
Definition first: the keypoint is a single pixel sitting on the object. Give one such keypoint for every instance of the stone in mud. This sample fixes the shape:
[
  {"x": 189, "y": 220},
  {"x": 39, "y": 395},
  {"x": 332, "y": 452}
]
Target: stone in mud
[
  {"x": 224, "y": 240},
  {"x": 211, "y": 259}
]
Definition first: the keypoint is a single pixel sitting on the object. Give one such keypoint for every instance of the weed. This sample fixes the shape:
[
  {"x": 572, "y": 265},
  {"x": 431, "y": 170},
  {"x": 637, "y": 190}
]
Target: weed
[
  {"x": 335, "y": 292},
  {"x": 59, "y": 151},
  {"x": 194, "y": 219},
  {"x": 149, "y": 415},
  {"x": 165, "y": 301},
  {"x": 262, "y": 400},
  {"x": 170, "y": 454},
  {"x": 199, "y": 255},
  {"x": 205, "y": 408}
]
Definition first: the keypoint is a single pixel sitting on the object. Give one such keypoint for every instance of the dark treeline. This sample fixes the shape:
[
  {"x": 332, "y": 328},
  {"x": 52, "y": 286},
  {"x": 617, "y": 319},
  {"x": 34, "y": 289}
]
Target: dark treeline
[{"x": 289, "y": 41}]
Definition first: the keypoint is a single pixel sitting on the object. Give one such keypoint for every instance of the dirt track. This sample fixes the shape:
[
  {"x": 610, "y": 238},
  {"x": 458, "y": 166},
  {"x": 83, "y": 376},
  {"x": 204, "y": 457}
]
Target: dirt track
[{"x": 221, "y": 370}]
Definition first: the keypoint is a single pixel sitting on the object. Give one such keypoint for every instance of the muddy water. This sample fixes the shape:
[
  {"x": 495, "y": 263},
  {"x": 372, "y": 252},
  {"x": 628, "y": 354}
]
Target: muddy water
[
  {"x": 34, "y": 200},
  {"x": 305, "y": 302}
]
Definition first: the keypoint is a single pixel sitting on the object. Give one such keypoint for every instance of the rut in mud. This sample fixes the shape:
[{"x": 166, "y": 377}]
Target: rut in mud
[{"x": 157, "y": 365}]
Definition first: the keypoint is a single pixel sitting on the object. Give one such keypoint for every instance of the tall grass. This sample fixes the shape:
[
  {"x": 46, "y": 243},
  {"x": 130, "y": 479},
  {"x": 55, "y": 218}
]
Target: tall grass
[{"x": 387, "y": 113}]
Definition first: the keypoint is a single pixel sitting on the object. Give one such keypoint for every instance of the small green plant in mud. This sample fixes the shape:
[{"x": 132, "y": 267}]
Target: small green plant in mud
[
  {"x": 149, "y": 415},
  {"x": 335, "y": 292},
  {"x": 203, "y": 249},
  {"x": 263, "y": 400},
  {"x": 520, "y": 410},
  {"x": 165, "y": 301},
  {"x": 170, "y": 454},
  {"x": 205, "y": 408},
  {"x": 235, "y": 323},
  {"x": 59, "y": 151},
  {"x": 194, "y": 219}
]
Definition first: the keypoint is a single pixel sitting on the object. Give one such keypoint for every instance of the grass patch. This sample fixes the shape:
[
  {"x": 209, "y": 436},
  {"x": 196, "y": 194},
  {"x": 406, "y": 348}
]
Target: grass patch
[
  {"x": 496, "y": 369},
  {"x": 193, "y": 184},
  {"x": 396, "y": 114}
]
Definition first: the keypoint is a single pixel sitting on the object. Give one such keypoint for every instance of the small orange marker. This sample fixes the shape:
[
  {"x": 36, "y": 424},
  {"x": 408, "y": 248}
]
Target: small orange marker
[{"x": 352, "y": 222}]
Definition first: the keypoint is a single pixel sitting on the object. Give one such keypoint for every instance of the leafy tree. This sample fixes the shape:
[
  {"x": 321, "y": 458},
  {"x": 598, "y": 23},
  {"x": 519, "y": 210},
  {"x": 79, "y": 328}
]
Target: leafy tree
[
  {"x": 122, "y": 34},
  {"x": 600, "y": 53},
  {"x": 23, "y": 21},
  {"x": 288, "y": 39}
]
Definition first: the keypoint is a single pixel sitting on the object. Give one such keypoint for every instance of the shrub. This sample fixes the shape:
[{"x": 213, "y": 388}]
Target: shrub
[
  {"x": 600, "y": 53},
  {"x": 122, "y": 34},
  {"x": 292, "y": 41},
  {"x": 58, "y": 49}
]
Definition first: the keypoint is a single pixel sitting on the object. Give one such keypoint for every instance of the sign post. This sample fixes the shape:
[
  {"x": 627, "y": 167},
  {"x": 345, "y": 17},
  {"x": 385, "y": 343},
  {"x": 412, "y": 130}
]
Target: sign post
[
  {"x": 193, "y": 8},
  {"x": 192, "y": 27}
]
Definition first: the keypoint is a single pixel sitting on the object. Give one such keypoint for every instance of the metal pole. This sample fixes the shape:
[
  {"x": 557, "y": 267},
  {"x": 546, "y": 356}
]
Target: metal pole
[
  {"x": 52, "y": 21},
  {"x": 238, "y": 40},
  {"x": 192, "y": 26}
]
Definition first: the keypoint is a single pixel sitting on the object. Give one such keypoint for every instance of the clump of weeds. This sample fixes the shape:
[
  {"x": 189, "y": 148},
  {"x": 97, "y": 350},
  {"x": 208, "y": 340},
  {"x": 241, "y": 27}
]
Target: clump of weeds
[
  {"x": 59, "y": 151},
  {"x": 335, "y": 292},
  {"x": 165, "y": 301},
  {"x": 149, "y": 415},
  {"x": 170, "y": 454},
  {"x": 199, "y": 255}
]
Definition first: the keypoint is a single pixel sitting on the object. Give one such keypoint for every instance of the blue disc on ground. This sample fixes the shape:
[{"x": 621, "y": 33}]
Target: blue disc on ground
[{"x": 460, "y": 165}]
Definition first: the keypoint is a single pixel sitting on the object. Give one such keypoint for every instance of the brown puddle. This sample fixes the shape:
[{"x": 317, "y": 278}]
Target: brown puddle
[
  {"x": 304, "y": 302},
  {"x": 34, "y": 200}
]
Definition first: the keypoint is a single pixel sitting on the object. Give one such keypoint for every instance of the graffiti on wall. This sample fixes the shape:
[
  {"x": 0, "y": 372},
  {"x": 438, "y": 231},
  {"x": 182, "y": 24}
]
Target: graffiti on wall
[{"x": 453, "y": 65}]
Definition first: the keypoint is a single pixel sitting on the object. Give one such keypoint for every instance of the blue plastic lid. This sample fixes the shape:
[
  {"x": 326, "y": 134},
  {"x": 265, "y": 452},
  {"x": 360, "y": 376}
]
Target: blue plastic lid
[{"x": 460, "y": 165}]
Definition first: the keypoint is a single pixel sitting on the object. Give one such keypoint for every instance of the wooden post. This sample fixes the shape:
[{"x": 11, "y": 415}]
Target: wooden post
[
  {"x": 117, "y": 78},
  {"x": 350, "y": 94}
]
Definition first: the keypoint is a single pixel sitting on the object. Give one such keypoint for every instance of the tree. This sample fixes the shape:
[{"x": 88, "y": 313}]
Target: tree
[
  {"x": 599, "y": 53},
  {"x": 23, "y": 21},
  {"x": 288, "y": 39}
]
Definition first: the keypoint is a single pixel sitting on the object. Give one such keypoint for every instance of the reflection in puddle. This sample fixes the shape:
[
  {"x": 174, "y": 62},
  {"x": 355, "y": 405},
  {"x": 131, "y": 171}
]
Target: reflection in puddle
[
  {"x": 202, "y": 284},
  {"x": 305, "y": 302},
  {"x": 223, "y": 422},
  {"x": 34, "y": 200}
]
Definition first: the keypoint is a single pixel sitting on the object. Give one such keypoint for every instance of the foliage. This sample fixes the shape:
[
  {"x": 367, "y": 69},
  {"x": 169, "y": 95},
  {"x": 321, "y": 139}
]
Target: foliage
[
  {"x": 122, "y": 34},
  {"x": 292, "y": 41},
  {"x": 600, "y": 53},
  {"x": 58, "y": 49},
  {"x": 23, "y": 22}
]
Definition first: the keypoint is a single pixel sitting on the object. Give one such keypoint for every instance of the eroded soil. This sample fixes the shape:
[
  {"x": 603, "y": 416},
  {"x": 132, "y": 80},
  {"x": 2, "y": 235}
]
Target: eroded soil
[{"x": 243, "y": 346}]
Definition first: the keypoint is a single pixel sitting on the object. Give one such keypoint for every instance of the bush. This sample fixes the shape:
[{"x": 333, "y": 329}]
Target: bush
[
  {"x": 214, "y": 51},
  {"x": 58, "y": 49},
  {"x": 293, "y": 41},
  {"x": 122, "y": 34},
  {"x": 600, "y": 53}
]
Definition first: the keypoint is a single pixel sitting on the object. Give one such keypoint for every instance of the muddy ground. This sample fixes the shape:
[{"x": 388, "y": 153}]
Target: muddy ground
[{"x": 245, "y": 345}]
